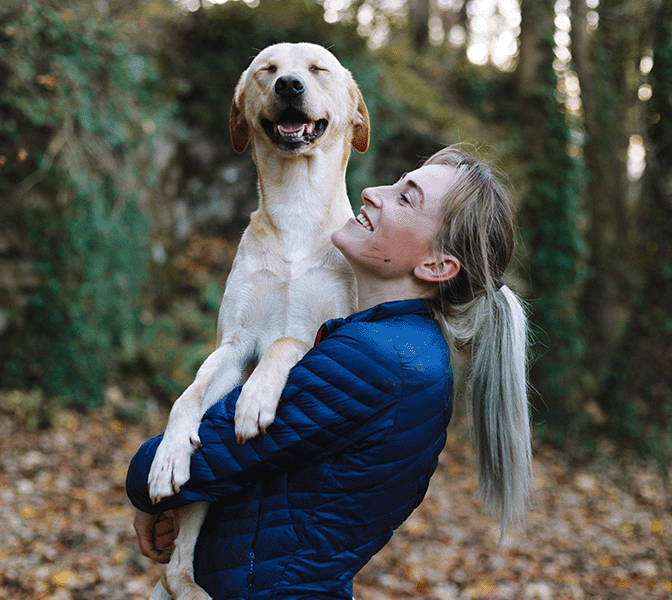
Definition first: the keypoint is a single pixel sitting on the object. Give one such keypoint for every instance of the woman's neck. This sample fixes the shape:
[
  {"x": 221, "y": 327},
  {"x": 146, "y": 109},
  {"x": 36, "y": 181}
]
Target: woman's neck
[{"x": 372, "y": 291}]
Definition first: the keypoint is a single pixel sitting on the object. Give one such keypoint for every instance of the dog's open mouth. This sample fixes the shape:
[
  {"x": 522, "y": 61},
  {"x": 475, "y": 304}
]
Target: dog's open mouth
[{"x": 293, "y": 130}]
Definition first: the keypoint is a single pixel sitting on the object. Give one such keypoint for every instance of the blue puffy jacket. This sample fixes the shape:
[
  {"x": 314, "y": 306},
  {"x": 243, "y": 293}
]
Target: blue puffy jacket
[{"x": 299, "y": 511}]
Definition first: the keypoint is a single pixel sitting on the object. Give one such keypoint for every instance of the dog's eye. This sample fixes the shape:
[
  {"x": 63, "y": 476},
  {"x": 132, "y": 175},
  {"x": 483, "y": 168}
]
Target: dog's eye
[
  {"x": 316, "y": 69},
  {"x": 271, "y": 68}
]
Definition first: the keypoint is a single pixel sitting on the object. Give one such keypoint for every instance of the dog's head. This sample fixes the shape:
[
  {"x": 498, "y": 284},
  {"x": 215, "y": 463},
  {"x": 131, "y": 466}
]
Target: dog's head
[{"x": 295, "y": 97}]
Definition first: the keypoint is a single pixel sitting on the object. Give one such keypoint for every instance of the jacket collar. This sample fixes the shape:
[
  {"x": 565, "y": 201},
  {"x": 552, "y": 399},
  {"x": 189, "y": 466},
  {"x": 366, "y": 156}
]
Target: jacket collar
[{"x": 380, "y": 312}]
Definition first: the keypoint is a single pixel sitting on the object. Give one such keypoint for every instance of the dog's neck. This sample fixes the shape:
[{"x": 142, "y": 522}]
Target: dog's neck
[{"x": 303, "y": 189}]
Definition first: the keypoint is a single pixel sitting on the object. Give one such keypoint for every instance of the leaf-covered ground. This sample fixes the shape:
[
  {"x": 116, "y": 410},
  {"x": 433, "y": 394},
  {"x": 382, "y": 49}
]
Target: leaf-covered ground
[{"x": 593, "y": 532}]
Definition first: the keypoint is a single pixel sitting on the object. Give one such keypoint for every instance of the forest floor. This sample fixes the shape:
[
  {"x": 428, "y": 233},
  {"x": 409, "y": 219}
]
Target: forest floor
[{"x": 594, "y": 531}]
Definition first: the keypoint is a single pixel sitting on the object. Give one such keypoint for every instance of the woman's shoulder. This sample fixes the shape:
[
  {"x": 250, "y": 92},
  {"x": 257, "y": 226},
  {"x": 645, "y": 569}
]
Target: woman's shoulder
[{"x": 401, "y": 329}]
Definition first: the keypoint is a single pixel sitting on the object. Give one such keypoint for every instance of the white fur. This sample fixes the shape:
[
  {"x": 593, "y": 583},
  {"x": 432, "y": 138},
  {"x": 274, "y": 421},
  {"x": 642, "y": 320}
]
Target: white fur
[{"x": 286, "y": 279}]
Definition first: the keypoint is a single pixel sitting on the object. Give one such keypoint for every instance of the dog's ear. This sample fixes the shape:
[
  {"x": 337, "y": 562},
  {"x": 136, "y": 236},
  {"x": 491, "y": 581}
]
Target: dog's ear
[
  {"x": 238, "y": 126},
  {"x": 361, "y": 124}
]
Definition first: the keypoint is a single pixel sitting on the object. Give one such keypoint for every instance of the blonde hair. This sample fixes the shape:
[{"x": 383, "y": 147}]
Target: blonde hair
[{"x": 482, "y": 317}]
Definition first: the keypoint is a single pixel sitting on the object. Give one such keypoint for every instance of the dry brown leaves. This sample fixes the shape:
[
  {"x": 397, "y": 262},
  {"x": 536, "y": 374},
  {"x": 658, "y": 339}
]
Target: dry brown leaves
[
  {"x": 592, "y": 533},
  {"x": 66, "y": 522},
  {"x": 587, "y": 537}
]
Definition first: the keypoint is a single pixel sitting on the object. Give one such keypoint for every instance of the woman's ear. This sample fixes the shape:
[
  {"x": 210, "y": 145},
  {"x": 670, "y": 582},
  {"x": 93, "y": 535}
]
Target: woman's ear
[{"x": 440, "y": 268}]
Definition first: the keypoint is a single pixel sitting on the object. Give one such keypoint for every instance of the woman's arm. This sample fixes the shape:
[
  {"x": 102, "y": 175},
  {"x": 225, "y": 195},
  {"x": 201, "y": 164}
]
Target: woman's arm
[{"x": 341, "y": 392}]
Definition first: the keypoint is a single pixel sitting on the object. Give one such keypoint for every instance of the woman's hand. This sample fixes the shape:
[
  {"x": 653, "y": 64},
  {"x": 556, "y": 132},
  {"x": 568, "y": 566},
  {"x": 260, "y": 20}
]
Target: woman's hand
[{"x": 156, "y": 535}]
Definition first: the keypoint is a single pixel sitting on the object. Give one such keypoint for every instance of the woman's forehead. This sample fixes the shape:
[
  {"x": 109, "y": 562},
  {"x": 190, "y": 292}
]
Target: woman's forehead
[{"x": 431, "y": 180}]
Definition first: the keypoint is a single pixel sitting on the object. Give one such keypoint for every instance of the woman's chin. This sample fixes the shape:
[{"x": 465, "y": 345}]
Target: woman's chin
[{"x": 340, "y": 237}]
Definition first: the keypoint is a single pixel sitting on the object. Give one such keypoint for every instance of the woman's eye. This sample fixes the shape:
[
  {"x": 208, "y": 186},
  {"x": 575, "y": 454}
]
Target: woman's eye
[{"x": 405, "y": 199}]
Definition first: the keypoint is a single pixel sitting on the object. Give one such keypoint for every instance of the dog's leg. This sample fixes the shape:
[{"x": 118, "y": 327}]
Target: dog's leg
[
  {"x": 258, "y": 411},
  {"x": 170, "y": 467},
  {"x": 178, "y": 575},
  {"x": 258, "y": 400}
]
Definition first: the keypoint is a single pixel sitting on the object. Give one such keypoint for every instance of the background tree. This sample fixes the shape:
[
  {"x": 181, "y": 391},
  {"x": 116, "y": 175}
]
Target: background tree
[
  {"x": 419, "y": 24},
  {"x": 550, "y": 218},
  {"x": 638, "y": 392},
  {"x": 606, "y": 58}
]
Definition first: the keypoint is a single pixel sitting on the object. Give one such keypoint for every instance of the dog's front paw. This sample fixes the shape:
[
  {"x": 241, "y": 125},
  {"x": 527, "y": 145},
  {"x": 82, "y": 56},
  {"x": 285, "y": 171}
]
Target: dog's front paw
[
  {"x": 170, "y": 467},
  {"x": 256, "y": 406}
]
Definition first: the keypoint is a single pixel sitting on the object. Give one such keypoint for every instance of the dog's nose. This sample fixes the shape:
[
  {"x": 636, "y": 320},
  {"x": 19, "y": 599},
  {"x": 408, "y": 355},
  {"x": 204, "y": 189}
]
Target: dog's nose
[{"x": 289, "y": 86}]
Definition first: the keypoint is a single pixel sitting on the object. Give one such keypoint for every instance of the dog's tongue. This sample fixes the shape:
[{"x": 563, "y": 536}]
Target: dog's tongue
[{"x": 293, "y": 128}]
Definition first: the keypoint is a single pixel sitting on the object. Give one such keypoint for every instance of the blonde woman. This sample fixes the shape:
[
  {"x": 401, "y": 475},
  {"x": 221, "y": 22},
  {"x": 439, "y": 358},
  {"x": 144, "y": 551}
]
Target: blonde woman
[{"x": 362, "y": 420}]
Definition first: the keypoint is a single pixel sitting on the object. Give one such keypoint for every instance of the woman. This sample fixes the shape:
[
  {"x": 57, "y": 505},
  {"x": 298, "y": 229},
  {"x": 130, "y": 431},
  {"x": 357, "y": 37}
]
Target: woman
[{"x": 361, "y": 423}]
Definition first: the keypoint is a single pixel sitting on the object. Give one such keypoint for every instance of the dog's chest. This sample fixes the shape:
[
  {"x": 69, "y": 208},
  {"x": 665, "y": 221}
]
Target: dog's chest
[
  {"x": 292, "y": 257},
  {"x": 297, "y": 266},
  {"x": 272, "y": 294},
  {"x": 295, "y": 306},
  {"x": 307, "y": 285}
]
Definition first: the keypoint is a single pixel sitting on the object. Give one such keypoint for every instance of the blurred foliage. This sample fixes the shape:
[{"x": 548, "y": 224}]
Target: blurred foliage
[
  {"x": 175, "y": 344},
  {"x": 104, "y": 107},
  {"x": 638, "y": 401},
  {"x": 78, "y": 107}
]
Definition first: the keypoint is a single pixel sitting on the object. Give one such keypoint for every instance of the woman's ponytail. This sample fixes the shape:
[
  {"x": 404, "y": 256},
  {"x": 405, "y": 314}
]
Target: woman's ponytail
[
  {"x": 500, "y": 407},
  {"x": 480, "y": 315}
]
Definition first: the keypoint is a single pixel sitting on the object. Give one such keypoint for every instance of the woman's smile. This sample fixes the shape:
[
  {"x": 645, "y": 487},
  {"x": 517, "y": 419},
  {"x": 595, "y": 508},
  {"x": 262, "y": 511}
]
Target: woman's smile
[{"x": 364, "y": 220}]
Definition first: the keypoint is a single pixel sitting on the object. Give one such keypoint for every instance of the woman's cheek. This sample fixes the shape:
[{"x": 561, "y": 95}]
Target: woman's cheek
[{"x": 375, "y": 255}]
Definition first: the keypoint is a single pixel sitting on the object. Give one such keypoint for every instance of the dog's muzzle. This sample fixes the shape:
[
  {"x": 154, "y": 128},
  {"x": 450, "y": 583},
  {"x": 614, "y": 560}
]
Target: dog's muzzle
[{"x": 292, "y": 130}]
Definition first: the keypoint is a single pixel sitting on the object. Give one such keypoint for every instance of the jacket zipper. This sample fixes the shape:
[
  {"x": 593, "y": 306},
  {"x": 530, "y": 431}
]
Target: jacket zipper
[{"x": 250, "y": 573}]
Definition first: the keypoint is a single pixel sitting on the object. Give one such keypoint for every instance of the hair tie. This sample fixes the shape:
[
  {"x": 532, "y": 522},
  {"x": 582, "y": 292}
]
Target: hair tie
[{"x": 500, "y": 284}]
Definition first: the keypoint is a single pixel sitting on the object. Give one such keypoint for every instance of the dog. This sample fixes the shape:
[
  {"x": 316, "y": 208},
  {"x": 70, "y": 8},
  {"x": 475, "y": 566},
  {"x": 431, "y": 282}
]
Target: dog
[{"x": 300, "y": 111}]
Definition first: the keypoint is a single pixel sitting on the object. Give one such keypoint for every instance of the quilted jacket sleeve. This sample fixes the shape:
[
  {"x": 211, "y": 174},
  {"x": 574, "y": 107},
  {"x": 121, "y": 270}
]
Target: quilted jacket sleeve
[{"x": 343, "y": 391}]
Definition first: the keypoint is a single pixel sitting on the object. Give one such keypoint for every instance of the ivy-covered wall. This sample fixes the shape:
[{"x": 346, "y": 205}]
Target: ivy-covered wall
[{"x": 80, "y": 106}]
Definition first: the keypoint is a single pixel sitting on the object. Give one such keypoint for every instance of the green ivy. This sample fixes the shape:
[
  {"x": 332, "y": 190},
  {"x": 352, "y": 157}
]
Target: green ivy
[
  {"x": 79, "y": 104},
  {"x": 551, "y": 229}
]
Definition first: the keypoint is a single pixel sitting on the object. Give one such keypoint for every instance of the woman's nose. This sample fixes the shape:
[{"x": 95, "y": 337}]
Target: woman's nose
[{"x": 371, "y": 196}]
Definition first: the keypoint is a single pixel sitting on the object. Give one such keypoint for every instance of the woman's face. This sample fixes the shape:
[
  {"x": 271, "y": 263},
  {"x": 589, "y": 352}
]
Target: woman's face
[{"x": 395, "y": 230}]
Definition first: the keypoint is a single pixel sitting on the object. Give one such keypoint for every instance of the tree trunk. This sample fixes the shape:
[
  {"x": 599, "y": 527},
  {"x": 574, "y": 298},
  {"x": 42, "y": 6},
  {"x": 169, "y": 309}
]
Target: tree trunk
[
  {"x": 549, "y": 215},
  {"x": 604, "y": 65},
  {"x": 419, "y": 17},
  {"x": 638, "y": 391},
  {"x": 534, "y": 26}
]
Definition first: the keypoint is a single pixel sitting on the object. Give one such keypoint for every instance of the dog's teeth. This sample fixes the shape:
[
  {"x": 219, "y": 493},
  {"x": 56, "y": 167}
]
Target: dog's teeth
[{"x": 290, "y": 130}]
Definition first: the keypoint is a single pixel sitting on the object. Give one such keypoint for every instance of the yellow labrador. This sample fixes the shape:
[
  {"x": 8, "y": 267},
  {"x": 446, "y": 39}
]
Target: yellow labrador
[{"x": 300, "y": 110}]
